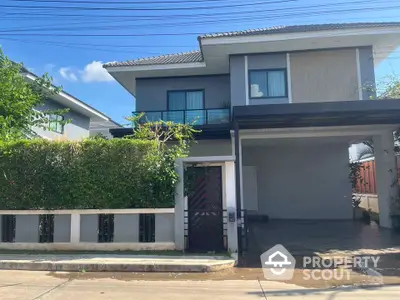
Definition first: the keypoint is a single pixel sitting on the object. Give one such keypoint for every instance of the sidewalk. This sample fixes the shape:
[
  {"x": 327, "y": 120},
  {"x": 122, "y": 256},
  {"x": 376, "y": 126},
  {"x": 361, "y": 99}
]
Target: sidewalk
[{"x": 114, "y": 263}]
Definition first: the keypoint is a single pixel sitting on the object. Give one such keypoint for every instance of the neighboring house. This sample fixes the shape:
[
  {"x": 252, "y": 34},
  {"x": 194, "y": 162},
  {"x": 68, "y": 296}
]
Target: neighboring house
[
  {"x": 85, "y": 120},
  {"x": 279, "y": 108}
]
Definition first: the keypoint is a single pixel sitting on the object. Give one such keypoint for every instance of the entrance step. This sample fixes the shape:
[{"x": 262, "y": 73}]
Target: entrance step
[{"x": 114, "y": 263}]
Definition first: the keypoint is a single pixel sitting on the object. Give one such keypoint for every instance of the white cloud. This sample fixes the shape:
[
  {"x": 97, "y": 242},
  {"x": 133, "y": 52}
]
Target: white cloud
[
  {"x": 68, "y": 74},
  {"x": 94, "y": 72}
]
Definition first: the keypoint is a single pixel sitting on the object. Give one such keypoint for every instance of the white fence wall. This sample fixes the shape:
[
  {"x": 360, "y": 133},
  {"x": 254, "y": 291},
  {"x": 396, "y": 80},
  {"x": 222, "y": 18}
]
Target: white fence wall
[{"x": 131, "y": 229}]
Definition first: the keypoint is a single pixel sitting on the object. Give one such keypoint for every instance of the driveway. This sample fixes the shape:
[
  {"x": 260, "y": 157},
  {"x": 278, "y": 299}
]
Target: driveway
[
  {"x": 315, "y": 237},
  {"x": 64, "y": 286}
]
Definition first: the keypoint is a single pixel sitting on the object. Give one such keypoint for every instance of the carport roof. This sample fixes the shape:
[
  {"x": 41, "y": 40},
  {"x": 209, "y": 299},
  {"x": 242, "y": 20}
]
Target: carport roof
[{"x": 341, "y": 113}]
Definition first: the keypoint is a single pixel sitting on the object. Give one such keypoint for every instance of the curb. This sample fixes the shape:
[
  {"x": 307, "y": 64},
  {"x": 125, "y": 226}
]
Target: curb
[{"x": 115, "y": 267}]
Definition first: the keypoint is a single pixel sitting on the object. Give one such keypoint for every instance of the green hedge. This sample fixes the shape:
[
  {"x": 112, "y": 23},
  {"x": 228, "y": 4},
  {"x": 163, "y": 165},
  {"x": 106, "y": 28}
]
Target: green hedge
[{"x": 118, "y": 173}]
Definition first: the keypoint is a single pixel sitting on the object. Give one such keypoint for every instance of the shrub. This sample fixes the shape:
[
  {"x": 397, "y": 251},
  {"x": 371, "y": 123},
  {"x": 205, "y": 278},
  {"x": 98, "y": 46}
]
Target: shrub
[{"x": 95, "y": 173}]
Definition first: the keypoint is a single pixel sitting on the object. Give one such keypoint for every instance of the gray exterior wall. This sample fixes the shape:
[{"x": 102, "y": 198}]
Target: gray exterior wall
[
  {"x": 77, "y": 129},
  {"x": 126, "y": 228},
  {"x": 315, "y": 76},
  {"x": 27, "y": 229},
  {"x": 89, "y": 226},
  {"x": 211, "y": 148},
  {"x": 151, "y": 93},
  {"x": 165, "y": 228},
  {"x": 301, "y": 181},
  {"x": 328, "y": 75},
  {"x": 62, "y": 228}
]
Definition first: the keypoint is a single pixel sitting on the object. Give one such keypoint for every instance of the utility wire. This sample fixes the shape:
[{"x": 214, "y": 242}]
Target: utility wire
[
  {"x": 199, "y": 15},
  {"x": 35, "y": 7},
  {"x": 119, "y": 2},
  {"x": 280, "y": 16}
]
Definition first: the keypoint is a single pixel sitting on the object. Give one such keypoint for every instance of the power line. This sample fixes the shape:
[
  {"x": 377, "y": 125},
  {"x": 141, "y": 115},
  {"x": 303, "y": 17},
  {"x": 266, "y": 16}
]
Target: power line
[
  {"x": 280, "y": 16},
  {"x": 197, "y": 15},
  {"x": 104, "y": 45},
  {"x": 83, "y": 48},
  {"x": 144, "y": 8},
  {"x": 50, "y": 27},
  {"x": 119, "y": 2}
]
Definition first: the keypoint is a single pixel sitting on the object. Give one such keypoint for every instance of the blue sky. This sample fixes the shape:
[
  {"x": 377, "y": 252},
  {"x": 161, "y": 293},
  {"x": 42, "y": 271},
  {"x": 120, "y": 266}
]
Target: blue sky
[{"x": 60, "y": 38}]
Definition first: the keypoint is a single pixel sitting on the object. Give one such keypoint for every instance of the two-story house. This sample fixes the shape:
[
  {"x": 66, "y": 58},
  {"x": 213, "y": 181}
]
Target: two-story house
[
  {"x": 84, "y": 120},
  {"x": 278, "y": 108}
]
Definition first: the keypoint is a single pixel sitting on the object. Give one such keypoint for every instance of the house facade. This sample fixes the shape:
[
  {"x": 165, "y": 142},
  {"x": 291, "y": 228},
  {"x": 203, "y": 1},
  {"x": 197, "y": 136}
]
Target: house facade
[
  {"x": 278, "y": 109},
  {"x": 84, "y": 120}
]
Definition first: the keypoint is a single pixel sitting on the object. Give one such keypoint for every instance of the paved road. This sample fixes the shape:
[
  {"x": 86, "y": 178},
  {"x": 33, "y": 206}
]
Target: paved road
[{"x": 43, "y": 285}]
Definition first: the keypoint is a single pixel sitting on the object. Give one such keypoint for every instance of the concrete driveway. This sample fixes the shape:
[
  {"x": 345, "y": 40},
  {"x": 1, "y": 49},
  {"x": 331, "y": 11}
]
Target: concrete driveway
[{"x": 66, "y": 286}]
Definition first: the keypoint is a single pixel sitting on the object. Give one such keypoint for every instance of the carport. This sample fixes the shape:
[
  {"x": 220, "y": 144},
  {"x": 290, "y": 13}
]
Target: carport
[{"x": 292, "y": 172}]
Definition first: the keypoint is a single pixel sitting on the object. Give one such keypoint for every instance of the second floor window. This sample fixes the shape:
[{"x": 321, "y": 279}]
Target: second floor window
[
  {"x": 56, "y": 123},
  {"x": 268, "y": 83},
  {"x": 186, "y": 107}
]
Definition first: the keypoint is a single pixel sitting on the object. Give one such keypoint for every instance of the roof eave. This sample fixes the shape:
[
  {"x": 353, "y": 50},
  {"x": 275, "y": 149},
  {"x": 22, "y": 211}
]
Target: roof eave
[
  {"x": 157, "y": 67},
  {"x": 90, "y": 111},
  {"x": 219, "y": 40}
]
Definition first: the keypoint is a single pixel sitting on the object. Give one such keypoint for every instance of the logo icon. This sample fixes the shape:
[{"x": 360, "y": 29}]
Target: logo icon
[{"x": 277, "y": 263}]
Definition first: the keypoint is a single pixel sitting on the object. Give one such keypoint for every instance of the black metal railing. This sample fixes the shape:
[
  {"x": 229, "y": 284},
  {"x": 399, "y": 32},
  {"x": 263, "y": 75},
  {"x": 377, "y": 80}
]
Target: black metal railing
[
  {"x": 147, "y": 228},
  {"x": 46, "y": 228},
  {"x": 106, "y": 228},
  {"x": 8, "y": 228},
  {"x": 213, "y": 116}
]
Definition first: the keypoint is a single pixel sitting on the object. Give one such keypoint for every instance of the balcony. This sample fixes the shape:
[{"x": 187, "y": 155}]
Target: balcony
[{"x": 196, "y": 117}]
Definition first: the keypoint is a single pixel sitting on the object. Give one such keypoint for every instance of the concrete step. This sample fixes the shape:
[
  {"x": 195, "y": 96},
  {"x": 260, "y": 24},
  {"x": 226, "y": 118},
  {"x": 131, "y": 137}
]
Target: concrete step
[{"x": 114, "y": 263}]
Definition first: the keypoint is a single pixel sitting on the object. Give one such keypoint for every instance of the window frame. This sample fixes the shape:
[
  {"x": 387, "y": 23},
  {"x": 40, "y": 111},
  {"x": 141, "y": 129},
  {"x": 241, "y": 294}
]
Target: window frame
[
  {"x": 269, "y": 70},
  {"x": 56, "y": 121},
  {"x": 186, "y": 91}
]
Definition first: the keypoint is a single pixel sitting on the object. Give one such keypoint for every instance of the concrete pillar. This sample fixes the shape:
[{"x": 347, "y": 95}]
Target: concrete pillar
[
  {"x": 386, "y": 173},
  {"x": 230, "y": 196},
  {"x": 75, "y": 228},
  {"x": 180, "y": 209}
]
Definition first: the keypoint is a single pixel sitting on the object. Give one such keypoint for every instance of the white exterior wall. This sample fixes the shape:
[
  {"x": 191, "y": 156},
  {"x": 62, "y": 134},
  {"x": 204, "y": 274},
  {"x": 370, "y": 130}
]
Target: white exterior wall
[{"x": 301, "y": 181}]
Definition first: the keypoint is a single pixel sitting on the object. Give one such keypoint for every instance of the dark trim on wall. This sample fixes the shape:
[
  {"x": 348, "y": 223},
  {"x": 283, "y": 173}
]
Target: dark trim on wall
[
  {"x": 206, "y": 132},
  {"x": 268, "y": 97},
  {"x": 177, "y": 77}
]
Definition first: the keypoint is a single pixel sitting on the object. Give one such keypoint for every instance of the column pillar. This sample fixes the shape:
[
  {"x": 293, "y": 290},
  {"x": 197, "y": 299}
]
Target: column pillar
[
  {"x": 75, "y": 228},
  {"x": 180, "y": 209},
  {"x": 386, "y": 175},
  {"x": 230, "y": 192}
]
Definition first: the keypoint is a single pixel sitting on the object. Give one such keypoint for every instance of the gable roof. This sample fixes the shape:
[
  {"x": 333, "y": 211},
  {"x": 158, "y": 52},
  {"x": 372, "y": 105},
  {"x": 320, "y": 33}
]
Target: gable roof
[
  {"x": 71, "y": 101},
  {"x": 197, "y": 56},
  {"x": 177, "y": 58},
  {"x": 300, "y": 28}
]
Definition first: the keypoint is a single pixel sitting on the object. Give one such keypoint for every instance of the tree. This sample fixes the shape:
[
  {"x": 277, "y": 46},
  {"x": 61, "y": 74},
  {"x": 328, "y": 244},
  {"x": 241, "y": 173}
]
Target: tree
[
  {"x": 19, "y": 98},
  {"x": 173, "y": 142},
  {"x": 388, "y": 88}
]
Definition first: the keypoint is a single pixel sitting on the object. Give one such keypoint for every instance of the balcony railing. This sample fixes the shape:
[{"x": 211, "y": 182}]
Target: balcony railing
[{"x": 195, "y": 117}]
